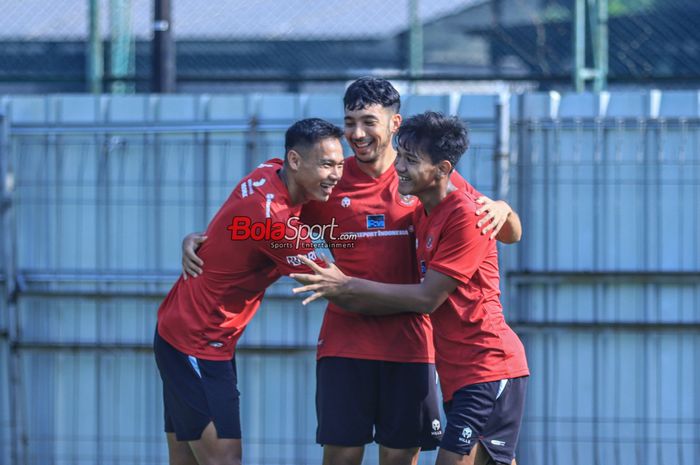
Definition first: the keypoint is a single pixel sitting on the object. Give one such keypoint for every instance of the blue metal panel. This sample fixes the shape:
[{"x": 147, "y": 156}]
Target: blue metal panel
[
  {"x": 628, "y": 104},
  {"x": 5, "y": 396},
  {"x": 285, "y": 107},
  {"x": 326, "y": 106},
  {"x": 127, "y": 108},
  {"x": 534, "y": 172},
  {"x": 478, "y": 111},
  {"x": 609, "y": 398},
  {"x": 414, "y": 104},
  {"x": 473, "y": 106},
  {"x": 175, "y": 108},
  {"x": 73, "y": 109},
  {"x": 581, "y": 105},
  {"x": 81, "y": 402},
  {"x": 228, "y": 107},
  {"x": 536, "y": 106},
  {"x": 590, "y": 301},
  {"x": 573, "y": 183},
  {"x": 476, "y": 166},
  {"x": 680, "y": 104},
  {"x": 675, "y": 171},
  {"x": 28, "y": 109},
  {"x": 75, "y": 321},
  {"x": 600, "y": 187}
]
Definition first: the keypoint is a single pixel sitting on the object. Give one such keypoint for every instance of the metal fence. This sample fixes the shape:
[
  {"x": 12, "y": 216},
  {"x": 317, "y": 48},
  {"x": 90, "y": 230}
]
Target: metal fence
[
  {"x": 231, "y": 45},
  {"x": 608, "y": 279},
  {"x": 604, "y": 289}
]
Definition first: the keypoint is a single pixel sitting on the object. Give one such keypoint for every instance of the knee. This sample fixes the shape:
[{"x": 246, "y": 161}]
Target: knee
[
  {"x": 335, "y": 455},
  {"x": 388, "y": 456}
]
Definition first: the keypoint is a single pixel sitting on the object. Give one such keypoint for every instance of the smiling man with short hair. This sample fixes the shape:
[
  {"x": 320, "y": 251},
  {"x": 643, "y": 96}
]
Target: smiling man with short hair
[{"x": 200, "y": 321}]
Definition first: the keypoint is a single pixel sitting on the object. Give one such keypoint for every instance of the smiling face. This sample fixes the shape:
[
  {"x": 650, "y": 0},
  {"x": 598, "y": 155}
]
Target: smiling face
[
  {"x": 317, "y": 169},
  {"x": 369, "y": 131},
  {"x": 416, "y": 171},
  {"x": 428, "y": 147}
]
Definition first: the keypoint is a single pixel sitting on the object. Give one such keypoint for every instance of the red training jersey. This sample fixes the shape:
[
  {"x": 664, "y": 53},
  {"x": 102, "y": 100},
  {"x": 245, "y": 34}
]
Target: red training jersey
[
  {"x": 206, "y": 316},
  {"x": 473, "y": 343},
  {"x": 374, "y": 210}
]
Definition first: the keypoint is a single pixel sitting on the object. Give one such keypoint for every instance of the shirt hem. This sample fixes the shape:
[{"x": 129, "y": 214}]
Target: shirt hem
[
  {"x": 196, "y": 353},
  {"x": 381, "y": 358},
  {"x": 488, "y": 379}
]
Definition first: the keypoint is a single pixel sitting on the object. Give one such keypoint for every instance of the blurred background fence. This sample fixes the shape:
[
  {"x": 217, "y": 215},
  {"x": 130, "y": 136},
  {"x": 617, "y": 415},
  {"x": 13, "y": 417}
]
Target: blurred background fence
[
  {"x": 302, "y": 45},
  {"x": 604, "y": 288}
]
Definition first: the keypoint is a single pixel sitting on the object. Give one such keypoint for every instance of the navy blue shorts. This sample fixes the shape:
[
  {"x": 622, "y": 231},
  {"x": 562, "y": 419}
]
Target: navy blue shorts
[
  {"x": 490, "y": 413},
  {"x": 196, "y": 392},
  {"x": 395, "y": 404}
]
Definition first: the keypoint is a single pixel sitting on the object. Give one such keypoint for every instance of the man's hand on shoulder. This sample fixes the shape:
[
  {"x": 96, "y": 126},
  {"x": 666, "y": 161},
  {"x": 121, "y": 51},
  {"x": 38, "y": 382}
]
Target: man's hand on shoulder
[{"x": 495, "y": 214}]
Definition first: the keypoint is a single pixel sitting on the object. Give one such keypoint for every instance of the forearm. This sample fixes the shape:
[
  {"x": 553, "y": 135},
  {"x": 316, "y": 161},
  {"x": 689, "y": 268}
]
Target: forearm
[
  {"x": 512, "y": 230},
  {"x": 372, "y": 298}
]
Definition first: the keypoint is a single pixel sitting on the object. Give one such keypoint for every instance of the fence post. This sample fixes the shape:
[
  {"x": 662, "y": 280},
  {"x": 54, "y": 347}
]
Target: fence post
[
  {"x": 252, "y": 149},
  {"x": 8, "y": 250},
  {"x": 501, "y": 180},
  {"x": 501, "y": 172}
]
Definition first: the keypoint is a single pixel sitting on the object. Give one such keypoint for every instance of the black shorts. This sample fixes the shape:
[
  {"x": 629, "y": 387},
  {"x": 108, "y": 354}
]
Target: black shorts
[
  {"x": 490, "y": 413},
  {"x": 196, "y": 392},
  {"x": 395, "y": 404}
]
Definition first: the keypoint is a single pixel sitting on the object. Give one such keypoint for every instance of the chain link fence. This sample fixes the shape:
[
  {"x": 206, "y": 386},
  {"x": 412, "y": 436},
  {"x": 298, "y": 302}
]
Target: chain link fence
[{"x": 272, "y": 45}]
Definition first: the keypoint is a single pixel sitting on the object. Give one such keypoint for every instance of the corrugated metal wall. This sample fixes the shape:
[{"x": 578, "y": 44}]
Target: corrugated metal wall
[
  {"x": 604, "y": 288},
  {"x": 607, "y": 285}
]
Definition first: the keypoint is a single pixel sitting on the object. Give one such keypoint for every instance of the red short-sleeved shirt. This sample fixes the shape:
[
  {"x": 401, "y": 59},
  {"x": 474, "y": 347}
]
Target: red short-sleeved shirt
[
  {"x": 206, "y": 316},
  {"x": 384, "y": 251},
  {"x": 473, "y": 343}
]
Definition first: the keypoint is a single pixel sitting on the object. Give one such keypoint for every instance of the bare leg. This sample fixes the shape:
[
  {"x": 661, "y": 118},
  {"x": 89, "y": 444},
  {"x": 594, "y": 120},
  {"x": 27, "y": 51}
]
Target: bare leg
[
  {"x": 210, "y": 450},
  {"x": 179, "y": 452},
  {"x": 389, "y": 456},
  {"x": 339, "y": 455},
  {"x": 478, "y": 456}
]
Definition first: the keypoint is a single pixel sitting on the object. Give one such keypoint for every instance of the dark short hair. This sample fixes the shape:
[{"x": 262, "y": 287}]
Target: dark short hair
[
  {"x": 306, "y": 132},
  {"x": 441, "y": 137},
  {"x": 368, "y": 91}
]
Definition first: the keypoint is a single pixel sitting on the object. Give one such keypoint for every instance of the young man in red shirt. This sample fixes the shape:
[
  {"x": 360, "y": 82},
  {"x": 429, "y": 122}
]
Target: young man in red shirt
[
  {"x": 481, "y": 362},
  {"x": 253, "y": 239},
  {"x": 366, "y": 389}
]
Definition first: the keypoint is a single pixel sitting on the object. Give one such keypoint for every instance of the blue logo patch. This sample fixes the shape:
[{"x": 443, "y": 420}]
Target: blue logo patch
[
  {"x": 423, "y": 268},
  {"x": 375, "y": 221}
]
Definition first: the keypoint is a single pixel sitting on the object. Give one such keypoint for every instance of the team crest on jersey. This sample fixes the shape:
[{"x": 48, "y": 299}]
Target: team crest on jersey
[
  {"x": 429, "y": 242},
  {"x": 375, "y": 222},
  {"x": 407, "y": 200},
  {"x": 345, "y": 203}
]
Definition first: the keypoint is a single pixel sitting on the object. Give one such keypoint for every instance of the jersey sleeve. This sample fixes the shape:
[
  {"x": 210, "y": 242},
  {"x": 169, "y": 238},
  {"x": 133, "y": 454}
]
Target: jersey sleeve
[
  {"x": 284, "y": 251},
  {"x": 462, "y": 184},
  {"x": 461, "y": 248}
]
